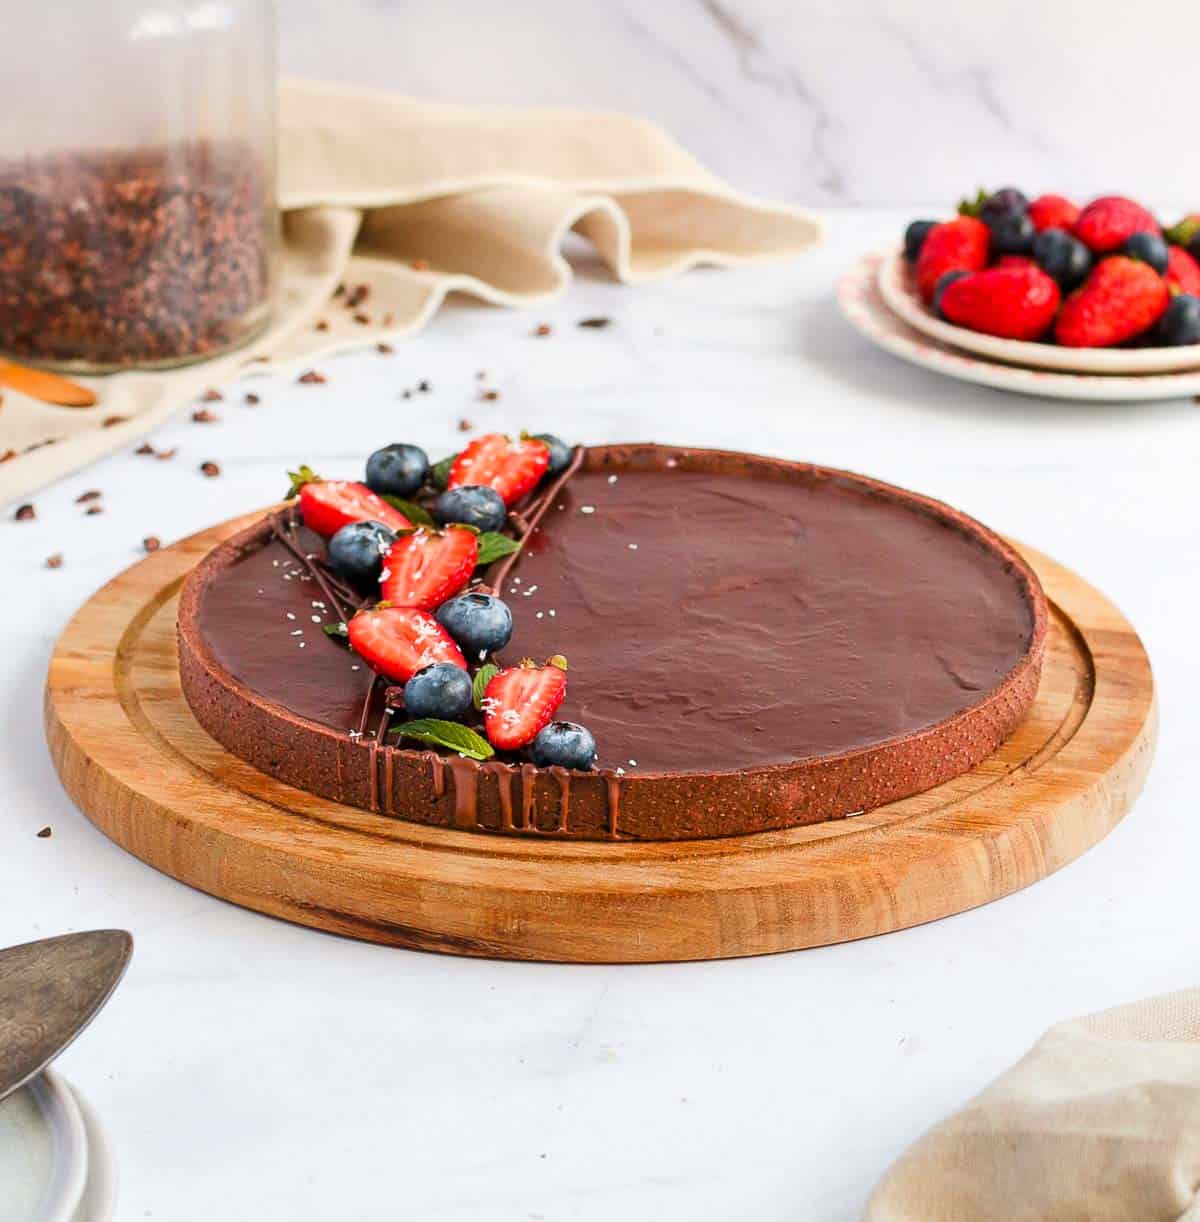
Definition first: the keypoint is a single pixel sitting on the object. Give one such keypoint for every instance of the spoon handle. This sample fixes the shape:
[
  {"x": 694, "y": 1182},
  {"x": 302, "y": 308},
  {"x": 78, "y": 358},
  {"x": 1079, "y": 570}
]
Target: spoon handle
[{"x": 46, "y": 386}]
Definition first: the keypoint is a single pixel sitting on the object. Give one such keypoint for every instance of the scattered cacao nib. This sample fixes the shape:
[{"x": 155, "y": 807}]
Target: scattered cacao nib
[
  {"x": 91, "y": 495},
  {"x": 165, "y": 454},
  {"x": 322, "y": 325},
  {"x": 47, "y": 441},
  {"x": 252, "y": 399},
  {"x": 594, "y": 324},
  {"x": 358, "y": 296},
  {"x": 203, "y": 416},
  {"x": 465, "y": 425},
  {"x": 424, "y": 386},
  {"x": 8, "y": 455},
  {"x": 543, "y": 329},
  {"x": 109, "y": 421},
  {"x": 55, "y": 561},
  {"x": 132, "y": 256},
  {"x": 210, "y": 469},
  {"x": 92, "y": 510},
  {"x": 420, "y": 265},
  {"x": 384, "y": 349},
  {"x": 45, "y": 833},
  {"x": 363, "y": 320},
  {"x": 310, "y": 377},
  {"x": 145, "y": 448},
  {"x": 151, "y": 543},
  {"x": 211, "y": 395},
  {"x": 339, "y": 291},
  {"x": 25, "y": 513},
  {"x": 489, "y": 395},
  {"x": 256, "y": 360}
]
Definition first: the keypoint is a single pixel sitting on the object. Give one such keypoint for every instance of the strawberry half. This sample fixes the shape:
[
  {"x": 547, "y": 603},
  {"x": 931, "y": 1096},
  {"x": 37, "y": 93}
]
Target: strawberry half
[
  {"x": 399, "y": 641},
  {"x": 521, "y": 701},
  {"x": 329, "y": 504},
  {"x": 426, "y": 567},
  {"x": 512, "y": 468}
]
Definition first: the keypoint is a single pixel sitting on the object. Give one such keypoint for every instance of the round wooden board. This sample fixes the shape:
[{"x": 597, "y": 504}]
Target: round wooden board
[{"x": 134, "y": 760}]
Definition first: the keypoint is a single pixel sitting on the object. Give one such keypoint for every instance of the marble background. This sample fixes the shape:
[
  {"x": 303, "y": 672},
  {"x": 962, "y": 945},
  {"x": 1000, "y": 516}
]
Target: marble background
[{"x": 820, "y": 101}]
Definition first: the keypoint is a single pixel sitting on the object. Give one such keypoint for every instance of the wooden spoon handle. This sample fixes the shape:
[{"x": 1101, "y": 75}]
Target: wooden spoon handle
[{"x": 46, "y": 386}]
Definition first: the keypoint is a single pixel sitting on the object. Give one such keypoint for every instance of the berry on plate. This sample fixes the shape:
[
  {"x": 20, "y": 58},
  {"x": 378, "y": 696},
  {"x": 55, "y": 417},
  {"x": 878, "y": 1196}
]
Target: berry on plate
[
  {"x": 475, "y": 504},
  {"x": 425, "y": 567},
  {"x": 1118, "y": 301},
  {"x": 566, "y": 744},
  {"x": 940, "y": 290},
  {"x": 1012, "y": 234},
  {"x": 1053, "y": 212},
  {"x": 399, "y": 470},
  {"x": 1006, "y": 202},
  {"x": 1181, "y": 323},
  {"x": 960, "y": 245},
  {"x": 399, "y": 641},
  {"x": 441, "y": 690},
  {"x": 560, "y": 452},
  {"x": 327, "y": 505},
  {"x": 1183, "y": 272},
  {"x": 521, "y": 700},
  {"x": 1149, "y": 248},
  {"x": 1108, "y": 222},
  {"x": 480, "y": 623},
  {"x": 1062, "y": 256},
  {"x": 914, "y": 238},
  {"x": 1011, "y": 302},
  {"x": 356, "y": 553},
  {"x": 512, "y": 468}
]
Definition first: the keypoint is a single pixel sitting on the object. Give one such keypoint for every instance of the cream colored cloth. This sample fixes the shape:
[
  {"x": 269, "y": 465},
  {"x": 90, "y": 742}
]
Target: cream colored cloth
[
  {"x": 1099, "y": 1122},
  {"x": 416, "y": 200}
]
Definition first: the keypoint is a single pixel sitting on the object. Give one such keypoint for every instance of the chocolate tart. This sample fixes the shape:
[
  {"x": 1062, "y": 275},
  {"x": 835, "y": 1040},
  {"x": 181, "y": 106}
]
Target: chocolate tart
[{"x": 755, "y": 644}]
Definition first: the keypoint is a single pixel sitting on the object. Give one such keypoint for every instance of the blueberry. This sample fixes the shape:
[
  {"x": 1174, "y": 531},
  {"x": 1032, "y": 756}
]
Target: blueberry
[
  {"x": 356, "y": 553},
  {"x": 914, "y": 238},
  {"x": 1147, "y": 248},
  {"x": 566, "y": 744},
  {"x": 441, "y": 690},
  {"x": 942, "y": 284},
  {"x": 1181, "y": 323},
  {"x": 1062, "y": 256},
  {"x": 1008, "y": 201},
  {"x": 1012, "y": 234},
  {"x": 479, "y": 623},
  {"x": 560, "y": 453},
  {"x": 474, "y": 504},
  {"x": 397, "y": 470}
]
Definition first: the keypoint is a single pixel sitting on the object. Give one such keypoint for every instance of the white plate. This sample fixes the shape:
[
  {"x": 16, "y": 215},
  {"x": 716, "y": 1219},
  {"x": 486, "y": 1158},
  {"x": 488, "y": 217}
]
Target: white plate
[
  {"x": 861, "y": 300},
  {"x": 99, "y": 1200},
  {"x": 899, "y": 290},
  {"x": 43, "y": 1153}
]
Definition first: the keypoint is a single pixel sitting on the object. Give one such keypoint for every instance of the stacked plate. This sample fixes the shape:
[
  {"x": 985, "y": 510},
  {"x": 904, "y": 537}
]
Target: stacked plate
[
  {"x": 879, "y": 296},
  {"x": 55, "y": 1163}
]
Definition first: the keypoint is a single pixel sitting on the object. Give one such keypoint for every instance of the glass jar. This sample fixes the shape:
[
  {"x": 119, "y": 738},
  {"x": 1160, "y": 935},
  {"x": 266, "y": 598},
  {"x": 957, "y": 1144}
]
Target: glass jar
[{"x": 138, "y": 224}]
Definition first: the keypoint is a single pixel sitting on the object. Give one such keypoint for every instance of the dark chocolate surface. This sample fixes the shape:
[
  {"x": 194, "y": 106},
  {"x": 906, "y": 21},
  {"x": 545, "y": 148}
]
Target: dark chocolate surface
[{"x": 712, "y": 621}]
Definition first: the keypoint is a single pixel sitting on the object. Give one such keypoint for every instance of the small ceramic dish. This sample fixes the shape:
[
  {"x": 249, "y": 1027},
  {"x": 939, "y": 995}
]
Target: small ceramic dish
[
  {"x": 898, "y": 288},
  {"x": 861, "y": 300},
  {"x": 43, "y": 1153}
]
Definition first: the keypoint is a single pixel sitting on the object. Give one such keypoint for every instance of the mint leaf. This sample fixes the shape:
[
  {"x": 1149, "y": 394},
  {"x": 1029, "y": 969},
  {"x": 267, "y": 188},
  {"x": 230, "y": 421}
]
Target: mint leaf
[
  {"x": 306, "y": 475},
  {"x": 492, "y": 546},
  {"x": 439, "y": 473},
  {"x": 972, "y": 207},
  {"x": 446, "y": 734},
  {"x": 483, "y": 676},
  {"x": 336, "y": 632},
  {"x": 416, "y": 514}
]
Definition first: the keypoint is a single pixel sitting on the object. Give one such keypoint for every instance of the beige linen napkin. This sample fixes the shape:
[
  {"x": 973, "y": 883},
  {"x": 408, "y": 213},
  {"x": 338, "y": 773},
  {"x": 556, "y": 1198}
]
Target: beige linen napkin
[
  {"x": 1099, "y": 1122},
  {"x": 415, "y": 200}
]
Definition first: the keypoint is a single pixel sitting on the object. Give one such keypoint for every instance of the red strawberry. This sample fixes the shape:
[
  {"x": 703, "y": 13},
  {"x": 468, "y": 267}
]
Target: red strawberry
[
  {"x": 1012, "y": 302},
  {"x": 1183, "y": 272},
  {"x": 521, "y": 701},
  {"x": 1106, "y": 223},
  {"x": 512, "y": 468},
  {"x": 1053, "y": 212},
  {"x": 960, "y": 245},
  {"x": 399, "y": 641},
  {"x": 329, "y": 504},
  {"x": 425, "y": 568},
  {"x": 1120, "y": 299}
]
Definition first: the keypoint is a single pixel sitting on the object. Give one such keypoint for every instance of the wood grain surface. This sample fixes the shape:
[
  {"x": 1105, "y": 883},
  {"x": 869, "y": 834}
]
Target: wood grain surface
[{"x": 134, "y": 760}]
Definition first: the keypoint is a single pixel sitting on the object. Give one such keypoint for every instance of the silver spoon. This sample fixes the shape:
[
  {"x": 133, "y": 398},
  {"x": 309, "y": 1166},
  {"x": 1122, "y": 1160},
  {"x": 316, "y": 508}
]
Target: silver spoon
[{"x": 49, "y": 991}]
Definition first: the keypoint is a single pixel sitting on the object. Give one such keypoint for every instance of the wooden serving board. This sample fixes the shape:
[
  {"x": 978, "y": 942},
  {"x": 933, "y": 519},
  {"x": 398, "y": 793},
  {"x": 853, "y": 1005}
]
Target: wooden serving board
[{"x": 134, "y": 760}]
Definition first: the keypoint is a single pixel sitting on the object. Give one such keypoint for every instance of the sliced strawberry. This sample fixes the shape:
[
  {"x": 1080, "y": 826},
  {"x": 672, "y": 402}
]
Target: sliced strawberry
[
  {"x": 329, "y": 504},
  {"x": 399, "y": 641},
  {"x": 425, "y": 568},
  {"x": 512, "y": 468},
  {"x": 521, "y": 700}
]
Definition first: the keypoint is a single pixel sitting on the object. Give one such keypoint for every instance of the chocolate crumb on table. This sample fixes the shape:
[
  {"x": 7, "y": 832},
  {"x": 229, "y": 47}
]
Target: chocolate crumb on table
[
  {"x": 594, "y": 324},
  {"x": 110, "y": 421},
  {"x": 45, "y": 833},
  {"x": 91, "y": 495},
  {"x": 24, "y": 513},
  {"x": 252, "y": 398},
  {"x": 210, "y": 469},
  {"x": 310, "y": 377},
  {"x": 490, "y": 395},
  {"x": 203, "y": 416},
  {"x": 151, "y": 543},
  {"x": 212, "y": 395},
  {"x": 543, "y": 329},
  {"x": 55, "y": 561},
  {"x": 92, "y": 510}
]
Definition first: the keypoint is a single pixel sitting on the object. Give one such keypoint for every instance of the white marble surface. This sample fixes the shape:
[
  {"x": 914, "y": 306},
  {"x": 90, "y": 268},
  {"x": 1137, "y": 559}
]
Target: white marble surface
[
  {"x": 820, "y": 101},
  {"x": 252, "y": 1070}
]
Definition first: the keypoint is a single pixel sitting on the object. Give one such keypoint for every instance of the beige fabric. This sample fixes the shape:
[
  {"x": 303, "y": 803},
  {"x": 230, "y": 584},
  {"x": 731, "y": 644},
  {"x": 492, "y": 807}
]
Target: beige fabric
[
  {"x": 372, "y": 183},
  {"x": 1099, "y": 1122}
]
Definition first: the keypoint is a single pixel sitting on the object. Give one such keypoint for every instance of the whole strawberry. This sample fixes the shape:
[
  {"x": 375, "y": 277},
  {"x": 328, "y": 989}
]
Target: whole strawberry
[
  {"x": 1014, "y": 301},
  {"x": 960, "y": 245},
  {"x": 1053, "y": 212},
  {"x": 1119, "y": 300},
  {"x": 1183, "y": 272},
  {"x": 1107, "y": 223}
]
